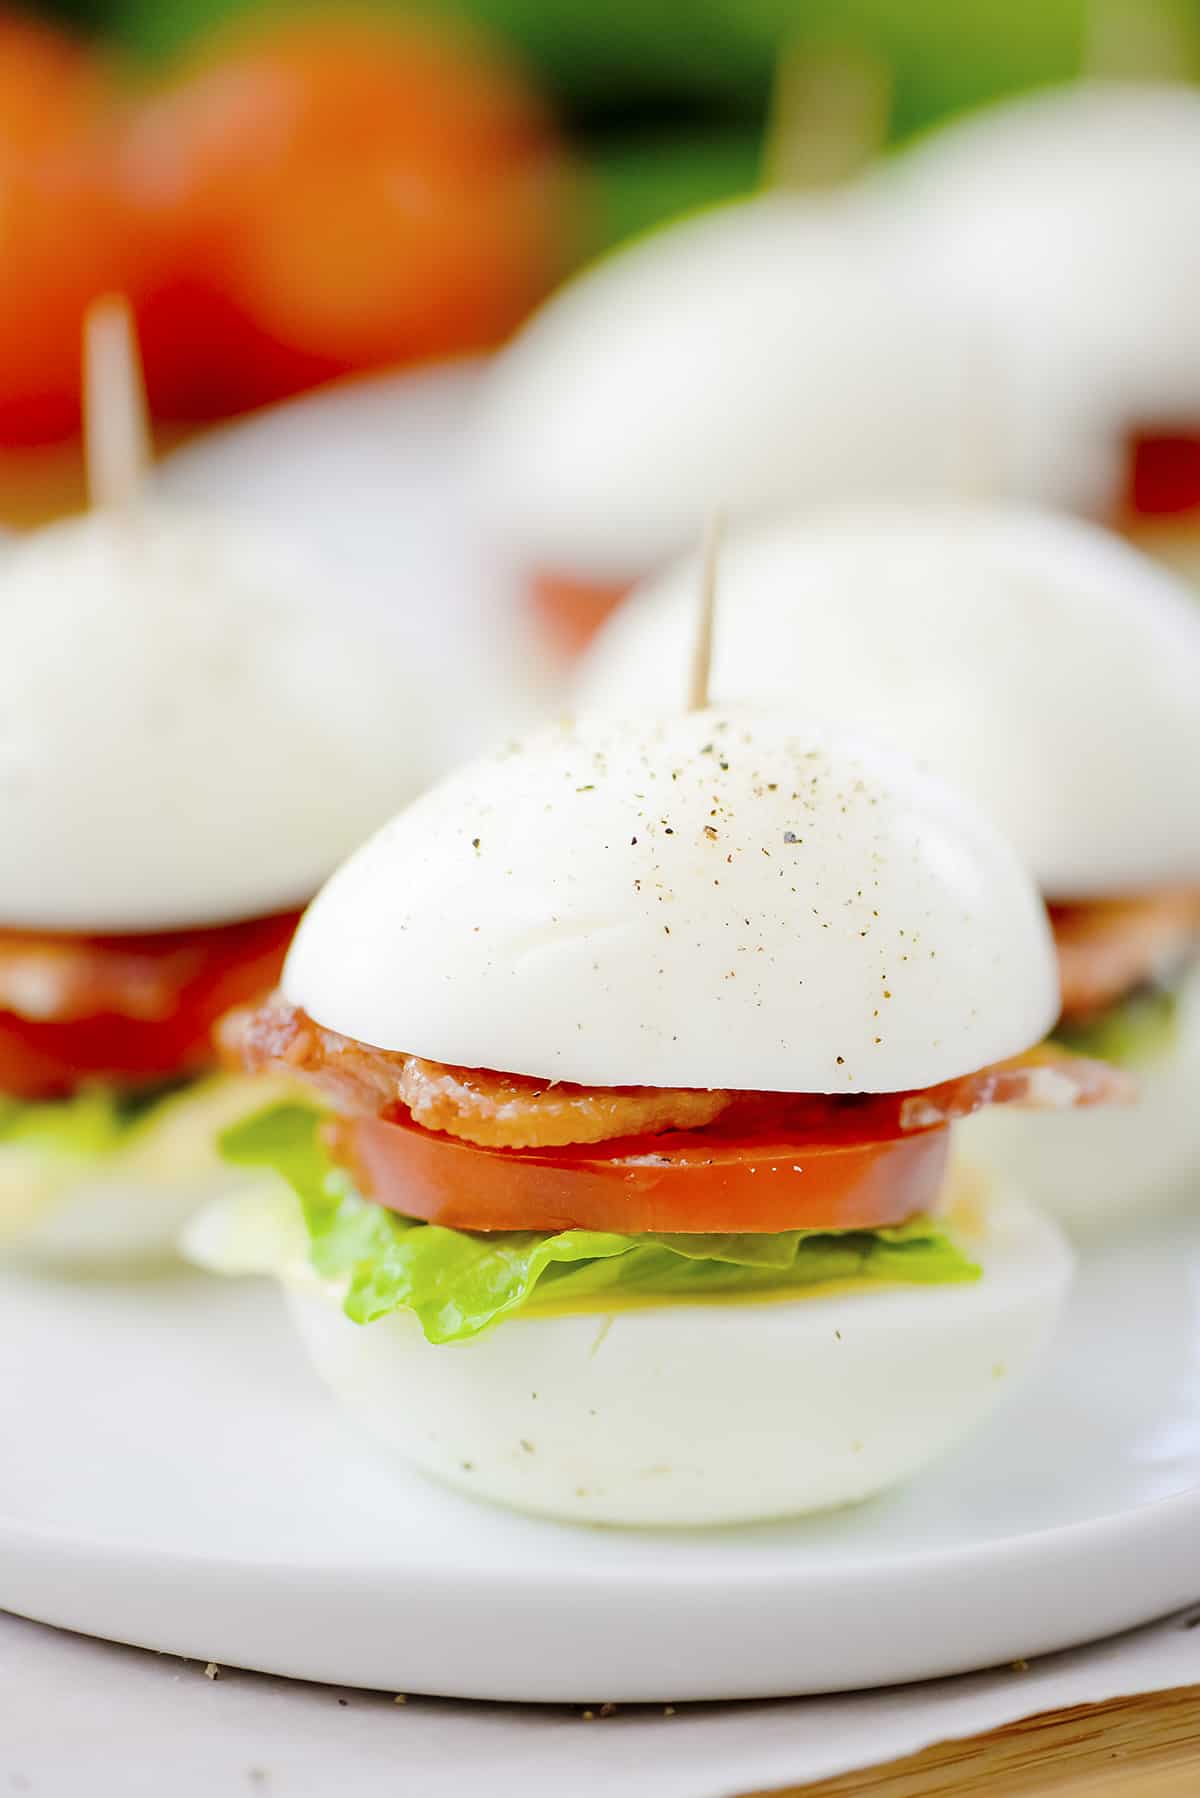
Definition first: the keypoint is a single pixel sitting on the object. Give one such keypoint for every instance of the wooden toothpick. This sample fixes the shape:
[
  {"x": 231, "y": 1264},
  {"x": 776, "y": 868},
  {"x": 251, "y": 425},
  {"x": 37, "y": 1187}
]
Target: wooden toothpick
[
  {"x": 828, "y": 116},
  {"x": 116, "y": 424},
  {"x": 1140, "y": 40},
  {"x": 702, "y": 649}
]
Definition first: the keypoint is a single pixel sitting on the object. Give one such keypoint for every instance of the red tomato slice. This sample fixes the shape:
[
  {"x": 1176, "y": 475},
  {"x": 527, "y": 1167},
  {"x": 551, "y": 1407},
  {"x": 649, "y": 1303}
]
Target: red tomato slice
[
  {"x": 127, "y": 1008},
  {"x": 1164, "y": 473},
  {"x": 572, "y": 611},
  {"x": 685, "y": 1181}
]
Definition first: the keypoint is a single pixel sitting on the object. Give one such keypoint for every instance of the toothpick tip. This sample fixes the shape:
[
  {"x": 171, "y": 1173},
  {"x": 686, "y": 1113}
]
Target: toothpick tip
[
  {"x": 115, "y": 417},
  {"x": 702, "y": 651}
]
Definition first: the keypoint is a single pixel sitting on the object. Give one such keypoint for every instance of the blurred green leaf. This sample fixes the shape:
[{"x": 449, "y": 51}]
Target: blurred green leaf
[
  {"x": 646, "y": 59},
  {"x": 719, "y": 54},
  {"x": 641, "y": 181}
]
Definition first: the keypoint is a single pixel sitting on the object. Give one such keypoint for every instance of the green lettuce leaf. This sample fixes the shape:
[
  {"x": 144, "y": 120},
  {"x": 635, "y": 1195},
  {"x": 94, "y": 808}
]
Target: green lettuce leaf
[
  {"x": 1134, "y": 1031},
  {"x": 91, "y": 1124},
  {"x": 459, "y": 1283},
  {"x": 167, "y": 1132}
]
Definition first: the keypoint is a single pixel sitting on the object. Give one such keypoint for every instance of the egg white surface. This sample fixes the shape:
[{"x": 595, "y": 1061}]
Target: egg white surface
[
  {"x": 782, "y": 349},
  {"x": 1065, "y": 225},
  {"x": 191, "y": 732},
  {"x": 702, "y": 1414},
  {"x": 367, "y": 477},
  {"x": 724, "y": 899}
]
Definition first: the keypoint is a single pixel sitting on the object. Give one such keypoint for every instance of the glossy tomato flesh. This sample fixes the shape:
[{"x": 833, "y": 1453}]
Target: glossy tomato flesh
[
  {"x": 131, "y": 1009},
  {"x": 735, "y": 1175}
]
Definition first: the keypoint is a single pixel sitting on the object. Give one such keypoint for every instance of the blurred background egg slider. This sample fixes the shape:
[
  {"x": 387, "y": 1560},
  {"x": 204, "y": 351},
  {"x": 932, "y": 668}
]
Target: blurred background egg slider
[
  {"x": 1053, "y": 672},
  {"x": 198, "y": 727},
  {"x": 626, "y": 1031},
  {"x": 780, "y": 349}
]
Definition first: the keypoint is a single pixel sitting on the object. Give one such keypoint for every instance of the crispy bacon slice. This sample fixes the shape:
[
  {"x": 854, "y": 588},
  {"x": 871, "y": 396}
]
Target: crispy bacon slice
[
  {"x": 1108, "y": 948},
  {"x": 512, "y": 1111},
  {"x": 134, "y": 1009},
  {"x": 1043, "y": 1079},
  {"x": 497, "y": 1111},
  {"x": 279, "y": 1036},
  {"x": 57, "y": 978}
]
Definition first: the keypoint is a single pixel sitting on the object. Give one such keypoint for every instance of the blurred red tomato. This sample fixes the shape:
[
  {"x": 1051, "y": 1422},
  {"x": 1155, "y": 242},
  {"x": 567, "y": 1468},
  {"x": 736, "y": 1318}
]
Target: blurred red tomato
[
  {"x": 572, "y": 611},
  {"x": 1164, "y": 474},
  {"x": 65, "y": 235},
  {"x": 331, "y": 194}
]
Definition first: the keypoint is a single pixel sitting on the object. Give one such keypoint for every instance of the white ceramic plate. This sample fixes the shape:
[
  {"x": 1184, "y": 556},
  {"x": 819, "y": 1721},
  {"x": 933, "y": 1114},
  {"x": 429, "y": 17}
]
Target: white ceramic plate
[{"x": 172, "y": 1476}]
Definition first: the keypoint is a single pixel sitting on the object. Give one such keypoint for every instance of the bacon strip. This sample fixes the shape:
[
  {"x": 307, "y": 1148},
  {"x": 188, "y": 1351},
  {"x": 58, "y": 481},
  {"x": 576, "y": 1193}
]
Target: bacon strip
[
  {"x": 512, "y": 1111},
  {"x": 1108, "y": 948},
  {"x": 509, "y": 1111},
  {"x": 1043, "y": 1079},
  {"x": 496, "y": 1111},
  {"x": 56, "y": 979},
  {"x": 48, "y": 978}
]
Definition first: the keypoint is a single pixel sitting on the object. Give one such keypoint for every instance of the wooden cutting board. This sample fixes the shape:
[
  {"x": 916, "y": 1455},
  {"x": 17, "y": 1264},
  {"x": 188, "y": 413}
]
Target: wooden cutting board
[{"x": 1130, "y": 1748}]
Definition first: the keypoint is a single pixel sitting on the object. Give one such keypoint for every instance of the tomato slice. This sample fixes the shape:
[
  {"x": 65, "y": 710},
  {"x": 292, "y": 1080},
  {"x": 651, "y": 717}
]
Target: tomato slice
[
  {"x": 1164, "y": 473},
  {"x": 712, "y": 1180},
  {"x": 572, "y": 611},
  {"x": 133, "y": 1009}
]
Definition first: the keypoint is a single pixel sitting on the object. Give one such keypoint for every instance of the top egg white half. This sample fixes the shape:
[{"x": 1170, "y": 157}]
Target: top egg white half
[
  {"x": 721, "y": 899},
  {"x": 205, "y": 706},
  {"x": 189, "y": 733},
  {"x": 783, "y": 349},
  {"x": 991, "y": 312},
  {"x": 367, "y": 478}
]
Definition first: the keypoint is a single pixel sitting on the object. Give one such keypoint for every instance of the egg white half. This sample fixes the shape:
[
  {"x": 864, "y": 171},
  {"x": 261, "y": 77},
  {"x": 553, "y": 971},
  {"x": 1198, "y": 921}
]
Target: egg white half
[
  {"x": 1063, "y": 223},
  {"x": 740, "y": 358},
  {"x": 192, "y": 733},
  {"x": 701, "y": 1414},
  {"x": 731, "y": 898}
]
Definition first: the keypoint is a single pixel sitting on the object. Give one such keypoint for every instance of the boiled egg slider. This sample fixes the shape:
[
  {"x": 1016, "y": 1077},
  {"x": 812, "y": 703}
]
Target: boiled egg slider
[
  {"x": 193, "y": 738},
  {"x": 785, "y": 349},
  {"x": 642, "y": 1046}
]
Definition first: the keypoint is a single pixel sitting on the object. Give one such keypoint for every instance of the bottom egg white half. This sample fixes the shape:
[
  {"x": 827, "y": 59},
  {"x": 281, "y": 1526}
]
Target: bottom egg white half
[
  {"x": 123, "y": 1211},
  {"x": 1103, "y": 1165},
  {"x": 702, "y": 1414}
]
